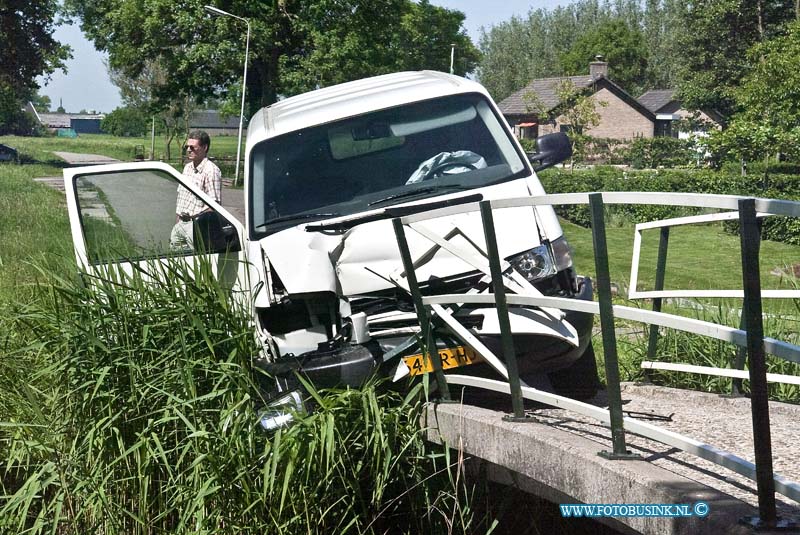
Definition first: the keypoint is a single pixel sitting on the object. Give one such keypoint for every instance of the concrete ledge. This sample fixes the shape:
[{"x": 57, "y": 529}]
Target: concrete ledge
[{"x": 554, "y": 463}]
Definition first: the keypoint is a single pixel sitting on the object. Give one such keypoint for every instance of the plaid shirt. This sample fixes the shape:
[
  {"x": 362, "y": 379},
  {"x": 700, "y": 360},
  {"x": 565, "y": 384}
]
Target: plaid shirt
[{"x": 205, "y": 176}]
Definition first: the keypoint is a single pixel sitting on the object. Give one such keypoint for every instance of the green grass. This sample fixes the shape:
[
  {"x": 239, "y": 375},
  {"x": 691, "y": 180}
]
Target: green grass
[
  {"x": 33, "y": 227},
  {"x": 39, "y": 149},
  {"x": 700, "y": 257},
  {"x": 132, "y": 407}
]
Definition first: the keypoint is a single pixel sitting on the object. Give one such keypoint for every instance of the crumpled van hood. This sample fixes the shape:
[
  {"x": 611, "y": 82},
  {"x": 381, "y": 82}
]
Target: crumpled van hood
[{"x": 362, "y": 260}]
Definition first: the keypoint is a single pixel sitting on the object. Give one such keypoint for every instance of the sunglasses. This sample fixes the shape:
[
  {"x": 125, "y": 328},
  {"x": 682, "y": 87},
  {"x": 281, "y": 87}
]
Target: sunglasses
[{"x": 192, "y": 148}]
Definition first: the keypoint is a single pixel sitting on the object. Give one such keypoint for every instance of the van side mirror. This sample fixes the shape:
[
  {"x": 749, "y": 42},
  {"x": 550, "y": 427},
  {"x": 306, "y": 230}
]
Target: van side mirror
[{"x": 551, "y": 149}]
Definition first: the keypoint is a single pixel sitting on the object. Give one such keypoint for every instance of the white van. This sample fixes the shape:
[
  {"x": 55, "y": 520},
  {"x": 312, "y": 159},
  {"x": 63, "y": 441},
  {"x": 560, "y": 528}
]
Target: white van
[{"x": 325, "y": 174}]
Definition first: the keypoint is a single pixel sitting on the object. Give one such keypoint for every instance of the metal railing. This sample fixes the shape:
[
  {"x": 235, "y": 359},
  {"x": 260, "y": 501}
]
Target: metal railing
[{"x": 432, "y": 309}]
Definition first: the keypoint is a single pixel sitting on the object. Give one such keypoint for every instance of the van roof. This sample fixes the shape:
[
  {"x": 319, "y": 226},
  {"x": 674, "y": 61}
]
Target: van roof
[{"x": 353, "y": 98}]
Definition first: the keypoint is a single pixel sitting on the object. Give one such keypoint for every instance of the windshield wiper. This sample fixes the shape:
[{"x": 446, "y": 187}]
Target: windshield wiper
[
  {"x": 293, "y": 217},
  {"x": 393, "y": 211},
  {"x": 419, "y": 191}
]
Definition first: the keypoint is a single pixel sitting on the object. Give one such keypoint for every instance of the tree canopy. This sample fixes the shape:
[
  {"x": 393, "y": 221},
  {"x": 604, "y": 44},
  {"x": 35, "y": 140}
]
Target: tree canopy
[
  {"x": 623, "y": 47},
  {"x": 770, "y": 90},
  {"x": 714, "y": 45},
  {"x": 296, "y": 45},
  {"x": 769, "y": 102},
  {"x": 29, "y": 51},
  {"x": 552, "y": 42}
]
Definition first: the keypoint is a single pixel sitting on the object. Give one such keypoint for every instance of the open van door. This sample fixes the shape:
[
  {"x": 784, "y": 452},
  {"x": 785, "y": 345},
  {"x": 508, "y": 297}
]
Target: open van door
[{"x": 124, "y": 214}]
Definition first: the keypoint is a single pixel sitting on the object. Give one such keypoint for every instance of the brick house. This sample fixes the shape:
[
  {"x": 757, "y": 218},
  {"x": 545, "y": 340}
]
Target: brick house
[
  {"x": 623, "y": 117},
  {"x": 668, "y": 111}
]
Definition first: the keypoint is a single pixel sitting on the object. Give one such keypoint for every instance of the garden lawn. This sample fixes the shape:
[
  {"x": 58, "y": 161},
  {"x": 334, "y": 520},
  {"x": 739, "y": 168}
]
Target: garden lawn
[{"x": 699, "y": 257}]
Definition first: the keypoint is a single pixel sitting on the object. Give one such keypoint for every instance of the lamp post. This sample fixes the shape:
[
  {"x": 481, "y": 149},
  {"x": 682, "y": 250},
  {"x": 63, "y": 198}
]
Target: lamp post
[{"x": 219, "y": 12}]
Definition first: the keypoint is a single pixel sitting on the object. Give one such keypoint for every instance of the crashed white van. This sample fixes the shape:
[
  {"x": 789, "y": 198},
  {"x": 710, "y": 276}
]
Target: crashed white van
[{"x": 326, "y": 172}]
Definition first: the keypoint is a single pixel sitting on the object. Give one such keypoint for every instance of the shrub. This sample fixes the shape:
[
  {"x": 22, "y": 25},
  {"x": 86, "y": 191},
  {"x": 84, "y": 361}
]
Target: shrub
[
  {"x": 125, "y": 122},
  {"x": 780, "y": 229},
  {"x": 608, "y": 151},
  {"x": 651, "y": 153}
]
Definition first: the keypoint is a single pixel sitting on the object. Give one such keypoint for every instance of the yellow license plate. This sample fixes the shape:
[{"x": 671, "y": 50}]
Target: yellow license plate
[{"x": 451, "y": 358}]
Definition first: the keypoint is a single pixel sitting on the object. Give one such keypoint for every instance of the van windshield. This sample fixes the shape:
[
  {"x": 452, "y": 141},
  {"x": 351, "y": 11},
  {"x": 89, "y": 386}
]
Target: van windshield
[{"x": 371, "y": 161}]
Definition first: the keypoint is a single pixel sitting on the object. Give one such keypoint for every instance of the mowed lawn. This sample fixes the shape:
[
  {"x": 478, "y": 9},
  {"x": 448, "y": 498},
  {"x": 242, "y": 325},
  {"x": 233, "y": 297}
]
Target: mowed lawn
[
  {"x": 41, "y": 149},
  {"x": 699, "y": 257}
]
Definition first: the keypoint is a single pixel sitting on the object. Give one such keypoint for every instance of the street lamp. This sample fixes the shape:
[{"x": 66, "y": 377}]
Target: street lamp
[{"x": 218, "y": 12}]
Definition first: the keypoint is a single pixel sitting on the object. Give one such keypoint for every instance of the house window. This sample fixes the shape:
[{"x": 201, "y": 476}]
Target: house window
[
  {"x": 664, "y": 129},
  {"x": 528, "y": 130}
]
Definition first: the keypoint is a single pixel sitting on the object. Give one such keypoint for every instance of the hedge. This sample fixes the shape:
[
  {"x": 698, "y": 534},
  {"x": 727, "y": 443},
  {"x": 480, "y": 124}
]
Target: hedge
[{"x": 778, "y": 186}]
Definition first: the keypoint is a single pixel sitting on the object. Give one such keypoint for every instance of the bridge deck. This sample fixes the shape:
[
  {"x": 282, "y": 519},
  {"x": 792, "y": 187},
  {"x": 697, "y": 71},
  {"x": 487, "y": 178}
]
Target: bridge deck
[{"x": 558, "y": 453}]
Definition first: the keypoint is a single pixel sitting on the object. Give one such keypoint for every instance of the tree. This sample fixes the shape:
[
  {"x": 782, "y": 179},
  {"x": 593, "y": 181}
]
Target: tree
[
  {"x": 126, "y": 122},
  {"x": 138, "y": 93},
  {"x": 769, "y": 100},
  {"x": 770, "y": 90},
  {"x": 577, "y": 110},
  {"x": 623, "y": 47},
  {"x": 29, "y": 51},
  {"x": 521, "y": 49},
  {"x": 42, "y": 103},
  {"x": 662, "y": 31},
  {"x": 427, "y": 33},
  {"x": 295, "y": 45},
  {"x": 713, "y": 48}
]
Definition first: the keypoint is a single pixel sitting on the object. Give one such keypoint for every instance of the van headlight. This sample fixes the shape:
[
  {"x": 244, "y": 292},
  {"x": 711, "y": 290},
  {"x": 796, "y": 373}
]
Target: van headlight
[
  {"x": 282, "y": 411},
  {"x": 543, "y": 261}
]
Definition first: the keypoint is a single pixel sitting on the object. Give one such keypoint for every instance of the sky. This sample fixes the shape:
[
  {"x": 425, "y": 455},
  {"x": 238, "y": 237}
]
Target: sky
[{"x": 86, "y": 85}]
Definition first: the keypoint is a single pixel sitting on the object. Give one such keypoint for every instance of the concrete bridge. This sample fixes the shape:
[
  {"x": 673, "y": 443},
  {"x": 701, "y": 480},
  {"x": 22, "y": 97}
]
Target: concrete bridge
[{"x": 555, "y": 456}]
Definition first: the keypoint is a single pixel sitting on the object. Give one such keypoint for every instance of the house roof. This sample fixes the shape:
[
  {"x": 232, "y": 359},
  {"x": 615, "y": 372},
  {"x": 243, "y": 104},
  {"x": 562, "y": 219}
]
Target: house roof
[
  {"x": 656, "y": 99},
  {"x": 64, "y": 120},
  {"x": 212, "y": 119},
  {"x": 545, "y": 88},
  {"x": 55, "y": 120}
]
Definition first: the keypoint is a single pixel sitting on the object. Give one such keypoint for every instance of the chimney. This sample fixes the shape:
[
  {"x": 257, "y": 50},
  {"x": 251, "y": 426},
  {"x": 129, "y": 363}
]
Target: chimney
[{"x": 598, "y": 68}]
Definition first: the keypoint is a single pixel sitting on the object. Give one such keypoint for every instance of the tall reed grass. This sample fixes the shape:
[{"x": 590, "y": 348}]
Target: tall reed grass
[{"x": 129, "y": 405}]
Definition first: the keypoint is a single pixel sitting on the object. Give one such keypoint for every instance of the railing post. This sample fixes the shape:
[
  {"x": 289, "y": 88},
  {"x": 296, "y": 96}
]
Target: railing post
[
  {"x": 661, "y": 268},
  {"x": 620, "y": 450},
  {"x": 428, "y": 343},
  {"x": 502, "y": 311},
  {"x": 759, "y": 401},
  {"x": 738, "y": 362}
]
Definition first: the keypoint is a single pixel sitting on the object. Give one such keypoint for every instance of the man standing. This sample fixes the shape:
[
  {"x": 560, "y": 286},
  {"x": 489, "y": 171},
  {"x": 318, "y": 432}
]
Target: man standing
[{"x": 204, "y": 174}]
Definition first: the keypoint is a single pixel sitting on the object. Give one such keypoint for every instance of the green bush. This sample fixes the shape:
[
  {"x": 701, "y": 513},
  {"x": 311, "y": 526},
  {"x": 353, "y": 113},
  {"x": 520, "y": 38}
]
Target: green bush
[
  {"x": 126, "y": 122},
  {"x": 782, "y": 229},
  {"x": 608, "y": 151},
  {"x": 655, "y": 152},
  {"x": 528, "y": 145}
]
